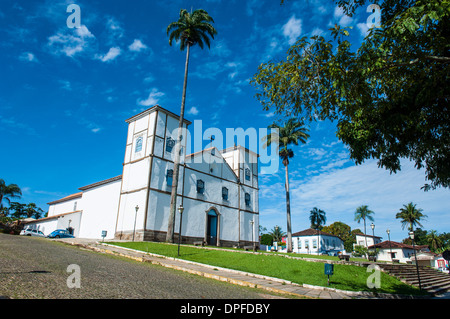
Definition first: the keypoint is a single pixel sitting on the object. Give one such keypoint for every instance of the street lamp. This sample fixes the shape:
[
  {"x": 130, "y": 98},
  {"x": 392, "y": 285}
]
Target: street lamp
[
  {"x": 135, "y": 215},
  {"x": 390, "y": 246},
  {"x": 180, "y": 209},
  {"x": 253, "y": 243},
  {"x": 373, "y": 239},
  {"x": 411, "y": 235}
]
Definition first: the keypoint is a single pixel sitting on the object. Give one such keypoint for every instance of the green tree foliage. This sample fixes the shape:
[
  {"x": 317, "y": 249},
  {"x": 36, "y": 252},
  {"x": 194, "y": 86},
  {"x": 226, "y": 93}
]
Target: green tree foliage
[
  {"x": 390, "y": 97},
  {"x": 344, "y": 232}
]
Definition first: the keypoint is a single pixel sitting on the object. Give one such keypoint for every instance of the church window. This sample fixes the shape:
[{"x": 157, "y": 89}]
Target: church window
[
  {"x": 139, "y": 141},
  {"x": 200, "y": 186},
  {"x": 247, "y": 174},
  {"x": 169, "y": 177},
  {"x": 170, "y": 143},
  {"x": 247, "y": 199},
  {"x": 225, "y": 193}
]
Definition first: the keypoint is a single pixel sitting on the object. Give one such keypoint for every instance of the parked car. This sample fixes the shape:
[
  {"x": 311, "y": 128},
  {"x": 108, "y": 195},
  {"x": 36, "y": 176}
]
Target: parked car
[
  {"x": 60, "y": 233},
  {"x": 31, "y": 232}
]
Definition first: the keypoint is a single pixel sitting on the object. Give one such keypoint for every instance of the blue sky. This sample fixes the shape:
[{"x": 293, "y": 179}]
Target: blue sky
[{"x": 65, "y": 93}]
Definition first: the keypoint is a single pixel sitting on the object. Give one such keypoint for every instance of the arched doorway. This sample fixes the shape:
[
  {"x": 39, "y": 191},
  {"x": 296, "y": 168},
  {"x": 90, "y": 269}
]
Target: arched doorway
[{"x": 212, "y": 227}]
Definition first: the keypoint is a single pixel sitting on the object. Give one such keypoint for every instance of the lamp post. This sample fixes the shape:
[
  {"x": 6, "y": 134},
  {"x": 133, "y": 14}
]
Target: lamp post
[
  {"x": 253, "y": 243},
  {"x": 373, "y": 239},
  {"x": 390, "y": 246},
  {"x": 180, "y": 209},
  {"x": 135, "y": 215},
  {"x": 276, "y": 232},
  {"x": 411, "y": 235}
]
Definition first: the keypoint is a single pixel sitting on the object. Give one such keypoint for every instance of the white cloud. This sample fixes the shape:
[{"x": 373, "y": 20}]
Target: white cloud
[
  {"x": 292, "y": 29},
  {"x": 111, "y": 55},
  {"x": 137, "y": 46},
  {"x": 83, "y": 32},
  {"x": 152, "y": 99},
  {"x": 28, "y": 56},
  {"x": 344, "y": 20},
  {"x": 115, "y": 30},
  {"x": 363, "y": 29},
  {"x": 193, "y": 111},
  {"x": 70, "y": 44}
]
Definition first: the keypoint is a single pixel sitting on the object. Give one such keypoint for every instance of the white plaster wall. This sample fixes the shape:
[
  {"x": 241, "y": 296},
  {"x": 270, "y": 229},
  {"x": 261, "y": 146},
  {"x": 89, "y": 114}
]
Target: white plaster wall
[
  {"x": 100, "y": 210},
  {"x": 135, "y": 175},
  {"x": 65, "y": 207},
  {"x": 161, "y": 124},
  {"x": 127, "y": 212},
  {"x": 246, "y": 227},
  {"x": 130, "y": 133},
  {"x": 229, "y": 224},
  {"x": 141, "y": 123},
  {"x": 158, "y": 211}
]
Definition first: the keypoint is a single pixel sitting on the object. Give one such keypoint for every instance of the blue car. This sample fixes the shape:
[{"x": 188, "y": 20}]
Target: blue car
[{"x": 60, "y": 233}]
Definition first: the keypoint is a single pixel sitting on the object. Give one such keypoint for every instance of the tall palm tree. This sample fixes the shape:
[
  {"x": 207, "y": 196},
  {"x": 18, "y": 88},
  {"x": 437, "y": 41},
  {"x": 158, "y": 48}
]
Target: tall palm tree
[
  {"x": 363, "y": 212},
  {"x": 434, "y": 240},
  {"x": 410, "y": 216},
  {"x": 292, "y": 132},
  {"x": 318, "y": 219},
  {"x": 8, "y": 191},
  {"x": 190, "y": 29}
]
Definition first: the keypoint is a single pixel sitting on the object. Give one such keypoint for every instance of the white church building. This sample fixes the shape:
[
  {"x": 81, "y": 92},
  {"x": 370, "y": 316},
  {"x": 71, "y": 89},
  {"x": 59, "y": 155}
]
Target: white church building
[{"x": 218, "y": 190}]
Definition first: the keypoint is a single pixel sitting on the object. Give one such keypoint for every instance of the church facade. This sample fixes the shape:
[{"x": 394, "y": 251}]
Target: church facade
[{"x": 217, "y": 190}]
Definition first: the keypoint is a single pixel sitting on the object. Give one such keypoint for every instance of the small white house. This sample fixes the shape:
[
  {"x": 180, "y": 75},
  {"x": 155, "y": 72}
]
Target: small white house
[
  {"x": 316, "y": 242},
  {"x": 366, "y": 240},
  {"x": 397, "y": 252}
]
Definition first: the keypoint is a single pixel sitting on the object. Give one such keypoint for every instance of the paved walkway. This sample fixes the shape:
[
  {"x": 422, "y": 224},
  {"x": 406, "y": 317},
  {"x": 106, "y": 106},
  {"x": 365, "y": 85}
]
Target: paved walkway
[{"x": 229, "y": 275}]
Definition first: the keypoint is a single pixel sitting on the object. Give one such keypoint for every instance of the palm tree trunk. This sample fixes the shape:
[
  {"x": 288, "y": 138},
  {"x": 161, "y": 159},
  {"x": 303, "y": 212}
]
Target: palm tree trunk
[
  {"x": 365, "y": 237},
  {"x": 288, "y": 213},
  {"x": 176, "y": 164}
]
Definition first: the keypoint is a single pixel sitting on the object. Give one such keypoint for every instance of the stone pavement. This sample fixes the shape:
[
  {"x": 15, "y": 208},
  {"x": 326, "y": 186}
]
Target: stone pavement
[{"x": 228, "y": 275}]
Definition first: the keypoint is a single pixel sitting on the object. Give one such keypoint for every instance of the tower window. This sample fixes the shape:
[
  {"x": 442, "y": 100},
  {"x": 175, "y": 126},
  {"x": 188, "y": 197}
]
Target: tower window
[
  {"x": 169, "y": 177},
  {"x": 200, "y": 186},
  {"x": 247, "y": 199},
  {"x": 139, "y": 141},
  {"x": 225, "y": 193},
  {"x": 247, "y": 174},
  {"x": 170, "y": 143}
]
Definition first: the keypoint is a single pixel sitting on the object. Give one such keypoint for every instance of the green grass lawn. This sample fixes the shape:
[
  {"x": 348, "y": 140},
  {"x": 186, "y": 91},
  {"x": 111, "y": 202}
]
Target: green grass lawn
[{"x": 346, "y": 277}]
